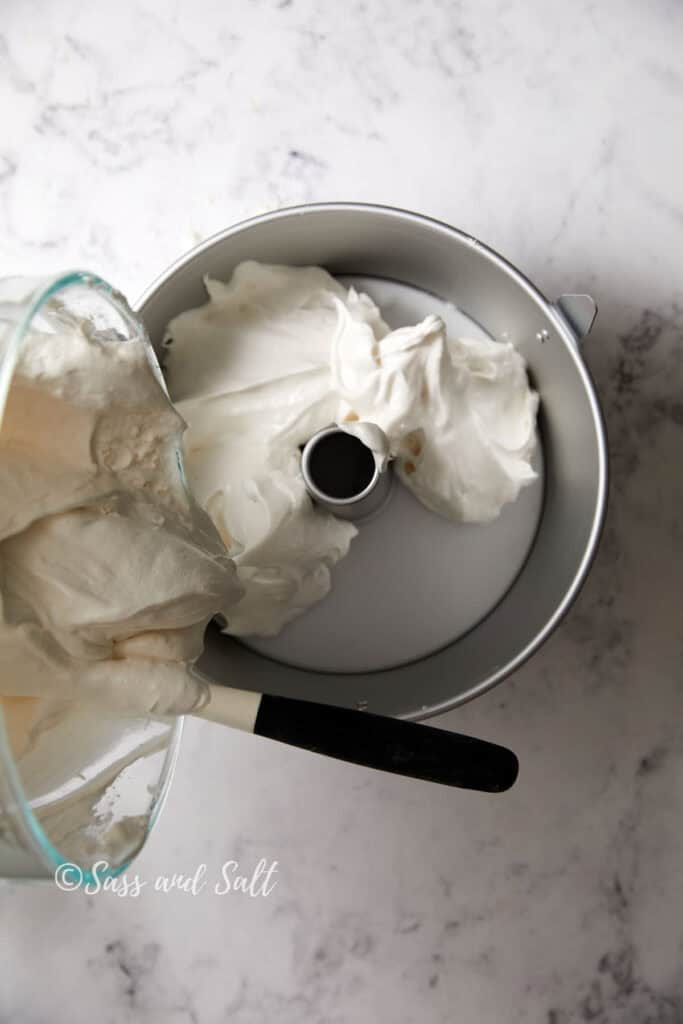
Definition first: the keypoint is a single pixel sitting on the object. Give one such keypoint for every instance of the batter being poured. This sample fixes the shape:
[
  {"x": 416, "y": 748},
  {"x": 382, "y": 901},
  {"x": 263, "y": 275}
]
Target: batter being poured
[
  {"x": 277, "y": 354},
  {"x": 110, "y": 570}
]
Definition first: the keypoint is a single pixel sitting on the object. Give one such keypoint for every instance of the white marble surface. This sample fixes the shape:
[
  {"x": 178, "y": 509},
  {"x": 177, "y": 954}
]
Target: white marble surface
[{"x": 553, "y": 132}]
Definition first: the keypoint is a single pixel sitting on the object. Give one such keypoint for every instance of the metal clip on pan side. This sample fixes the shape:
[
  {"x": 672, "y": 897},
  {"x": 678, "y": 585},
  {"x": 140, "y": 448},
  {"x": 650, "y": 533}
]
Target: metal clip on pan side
[{"x": 579, "y": 312}]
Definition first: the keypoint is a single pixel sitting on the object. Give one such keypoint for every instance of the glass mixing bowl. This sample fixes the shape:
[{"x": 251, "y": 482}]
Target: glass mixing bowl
[{"x": 80, "y": 803}]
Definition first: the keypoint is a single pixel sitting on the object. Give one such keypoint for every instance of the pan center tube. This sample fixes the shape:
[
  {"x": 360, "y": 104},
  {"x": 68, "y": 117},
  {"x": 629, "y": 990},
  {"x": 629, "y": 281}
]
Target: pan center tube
[{"x": 344, "y": 475}]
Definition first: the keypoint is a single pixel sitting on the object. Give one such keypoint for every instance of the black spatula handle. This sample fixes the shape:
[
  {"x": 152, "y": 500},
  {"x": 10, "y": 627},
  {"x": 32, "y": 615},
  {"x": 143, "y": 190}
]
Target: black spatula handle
[{"x": 389, "y": 744}]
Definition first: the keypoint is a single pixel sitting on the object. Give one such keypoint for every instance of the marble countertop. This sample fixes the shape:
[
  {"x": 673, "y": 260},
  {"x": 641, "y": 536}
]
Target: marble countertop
[{"x": 552, "y": 132}]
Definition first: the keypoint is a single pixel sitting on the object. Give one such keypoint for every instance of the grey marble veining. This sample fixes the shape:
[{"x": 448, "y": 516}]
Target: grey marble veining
[{"x": 552, "y": 132}]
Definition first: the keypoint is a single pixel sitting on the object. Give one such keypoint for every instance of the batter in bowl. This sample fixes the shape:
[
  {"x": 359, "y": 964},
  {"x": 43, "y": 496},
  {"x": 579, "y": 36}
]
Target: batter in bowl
[{"x": 109, "y": 569}]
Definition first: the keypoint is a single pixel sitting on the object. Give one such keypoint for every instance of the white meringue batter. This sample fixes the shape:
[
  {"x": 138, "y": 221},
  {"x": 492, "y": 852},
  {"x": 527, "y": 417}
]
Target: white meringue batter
[
  {"x": 109, "y": 570},
  {"x": 277, "y": 354}
]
